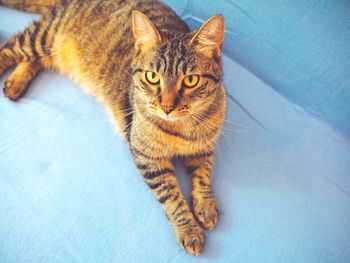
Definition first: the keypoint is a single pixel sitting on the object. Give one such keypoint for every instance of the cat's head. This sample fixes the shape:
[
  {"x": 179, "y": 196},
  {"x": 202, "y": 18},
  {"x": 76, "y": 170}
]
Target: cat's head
[{"x": 177, "y": 75}]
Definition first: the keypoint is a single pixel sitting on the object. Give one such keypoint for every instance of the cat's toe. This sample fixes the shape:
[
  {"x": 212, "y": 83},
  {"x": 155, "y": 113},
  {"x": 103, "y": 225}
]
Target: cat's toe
[
  {"x": 191, "y": 238},
  {"x": 206, "y": 211},
  {"x": 14, "y": 90}
]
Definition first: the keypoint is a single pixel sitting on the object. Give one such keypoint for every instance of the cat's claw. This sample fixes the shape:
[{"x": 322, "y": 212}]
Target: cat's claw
[
  {"x": 206, "y": 211},
  {"x": 191, "y": 238}
]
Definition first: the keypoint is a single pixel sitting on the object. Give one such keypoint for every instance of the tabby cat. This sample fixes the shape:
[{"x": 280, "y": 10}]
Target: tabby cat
[{"x": 160, "y": 83}]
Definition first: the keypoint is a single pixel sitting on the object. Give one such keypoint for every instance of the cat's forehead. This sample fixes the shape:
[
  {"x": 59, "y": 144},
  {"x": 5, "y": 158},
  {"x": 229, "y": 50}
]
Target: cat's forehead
[{"x": 174, "y": 57}]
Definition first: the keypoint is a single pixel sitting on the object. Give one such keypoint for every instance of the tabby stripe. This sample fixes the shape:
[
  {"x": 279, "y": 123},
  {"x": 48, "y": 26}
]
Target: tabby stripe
[
  {"x": 212, "y": 77},
  {"x": 171, "y": 60},
  {"x": 134, "y": 71},
  {"x": 207, "y": 193},
  {"x": 205, "y": 154},
  {"x": 85, "y": 14},
  {"x": 183, "y": 222},
  {"x": 33, "y": 37},
  {"x": 137, "y": 152},
  {"x": 207, "y": 196},
  {"x": 177, "y": 66},
  {"x": 21, "y": 40},
  {"x": 199, "y": 90},
  {"x": 165, "y": 62},
  {"x": 209, "y": 94},
  {"x": 122, "y": 2},
  {"x": 8, "y": 45},
  {"x": 172, "y": 133},
  {"x": 69, "y": 6},
  {"x": 140, "y": 141},
  {"x": 116, "y": 46},
  {"x": 128, "y": 118},
  {"x": 57, "y": 21},
  {"x": 163, "y": 199},
  {"x": 162, "y": 56},
  {"x": 154, "y": 174},
  {"x": 142, "y": 5},
  {"x": 145, "y": 86},
  {"x": 183, "y": 51},
  {"x": 175, "y": 58},
  {"x": 198, "y": 176},
  {"x": 202, "y": 183},
  {"x": 179, "y": 214},
  {"x": 141, "y": 166},
  {"x": 212, "y": 109},
  {"x": 26, "y": 44},
  {"x": 201, "y": 180},
  {"x": 176, "y": 197},
  {"x": 184, "y": 68},
  {"x": 181, "y": 90},
  {"x": 154, "y": 186},
  {"x": 124, "y": 47},
  {"x": 180, "y": 204},
  {"x": 154, "y": 18},
  {"x": 167, "y": 187},
  {"x": 46, "y": 31},
  {"x": 158, "y": 66}
]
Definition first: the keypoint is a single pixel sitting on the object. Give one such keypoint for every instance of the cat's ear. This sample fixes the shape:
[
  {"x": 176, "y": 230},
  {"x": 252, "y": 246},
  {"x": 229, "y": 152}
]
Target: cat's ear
[
  {"x": 145, "y": 33},
  {"x": 209, "y": 38}
]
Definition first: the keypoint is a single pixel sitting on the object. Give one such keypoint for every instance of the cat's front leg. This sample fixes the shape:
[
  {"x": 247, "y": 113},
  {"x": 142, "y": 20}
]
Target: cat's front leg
[
  {"x": 159, "y": 175},
  {"x": 204, "y": 204}
]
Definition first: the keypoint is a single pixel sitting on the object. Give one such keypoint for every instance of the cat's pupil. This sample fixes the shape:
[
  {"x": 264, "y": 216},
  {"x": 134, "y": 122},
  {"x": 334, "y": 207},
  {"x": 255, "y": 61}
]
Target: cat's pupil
[
  {"x": 153, "y": 75},
  {"x": 190, "y": 78}
]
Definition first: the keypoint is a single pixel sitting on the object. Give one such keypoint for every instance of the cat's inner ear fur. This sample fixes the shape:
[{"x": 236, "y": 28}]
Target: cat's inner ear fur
[
  {"x": 209, "y": 38},
  {"x": 145, "y": 33}
]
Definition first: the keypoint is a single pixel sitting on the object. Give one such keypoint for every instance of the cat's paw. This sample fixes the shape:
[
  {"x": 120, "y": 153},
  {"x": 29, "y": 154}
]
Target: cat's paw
[
  {"x": 206, "y": 211},
  {"x": 14, "y": 90},
  {"x": 191, "y": 238}
]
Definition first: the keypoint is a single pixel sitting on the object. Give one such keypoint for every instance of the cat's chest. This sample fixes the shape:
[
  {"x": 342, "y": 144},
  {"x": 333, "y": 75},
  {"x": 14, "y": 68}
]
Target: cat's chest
[{"x": 164, "y": 143}]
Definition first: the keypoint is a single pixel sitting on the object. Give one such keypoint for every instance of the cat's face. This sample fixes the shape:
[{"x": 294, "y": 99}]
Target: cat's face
[{"x": 177, "y": 76}]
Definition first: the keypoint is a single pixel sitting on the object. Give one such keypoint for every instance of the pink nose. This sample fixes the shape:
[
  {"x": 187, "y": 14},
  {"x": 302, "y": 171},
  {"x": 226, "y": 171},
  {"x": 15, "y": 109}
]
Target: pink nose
[{"x": 167, "y": 109}]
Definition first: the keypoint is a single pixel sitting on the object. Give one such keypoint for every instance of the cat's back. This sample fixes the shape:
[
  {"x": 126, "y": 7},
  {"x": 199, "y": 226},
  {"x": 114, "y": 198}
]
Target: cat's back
[
  {"x": 96, "y": 35},
  {"x": 106, "y": 24}
]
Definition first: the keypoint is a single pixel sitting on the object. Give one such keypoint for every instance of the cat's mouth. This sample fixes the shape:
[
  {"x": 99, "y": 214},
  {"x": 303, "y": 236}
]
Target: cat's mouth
[
  {"x": 173, "y": 116},
  {"x": 169, "y": 117}
]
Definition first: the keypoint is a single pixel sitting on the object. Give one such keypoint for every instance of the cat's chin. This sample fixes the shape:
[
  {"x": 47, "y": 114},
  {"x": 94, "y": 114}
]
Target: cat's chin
[{"x": 169, "y": 118}]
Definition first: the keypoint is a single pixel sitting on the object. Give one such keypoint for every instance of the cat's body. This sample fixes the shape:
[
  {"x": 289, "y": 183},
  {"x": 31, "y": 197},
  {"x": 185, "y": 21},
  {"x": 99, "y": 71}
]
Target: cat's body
[{"x": 97, "y": 45}]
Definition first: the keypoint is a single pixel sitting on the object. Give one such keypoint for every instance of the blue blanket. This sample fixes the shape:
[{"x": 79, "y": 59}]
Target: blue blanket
[{"x": 69, "y": 191}]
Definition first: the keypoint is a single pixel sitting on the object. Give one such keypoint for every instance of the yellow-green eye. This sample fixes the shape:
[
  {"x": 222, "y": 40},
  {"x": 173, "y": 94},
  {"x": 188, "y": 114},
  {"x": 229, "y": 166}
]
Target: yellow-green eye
[
  {"x": 191, "y": 81},
  {"x": 152, "y": 77}
]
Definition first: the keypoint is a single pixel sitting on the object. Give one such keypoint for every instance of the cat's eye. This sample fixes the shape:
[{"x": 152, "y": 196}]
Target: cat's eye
[
  {"x": 191, "y": 81},
  {"x": 152, "y": 77}
]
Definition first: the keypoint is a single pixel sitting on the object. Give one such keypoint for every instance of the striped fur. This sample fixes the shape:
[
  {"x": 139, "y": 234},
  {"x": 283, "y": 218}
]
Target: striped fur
[{"x": 109, "y": 49}]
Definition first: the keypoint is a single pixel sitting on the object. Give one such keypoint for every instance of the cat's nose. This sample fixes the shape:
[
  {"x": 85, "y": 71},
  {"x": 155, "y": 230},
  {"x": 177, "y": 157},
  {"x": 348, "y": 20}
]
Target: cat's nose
[{"x": 167, "y": 109}]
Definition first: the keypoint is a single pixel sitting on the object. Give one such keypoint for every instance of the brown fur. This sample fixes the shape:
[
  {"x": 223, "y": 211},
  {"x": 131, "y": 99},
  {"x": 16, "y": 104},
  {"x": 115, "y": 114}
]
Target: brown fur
[{"x": 108, "y": 48}]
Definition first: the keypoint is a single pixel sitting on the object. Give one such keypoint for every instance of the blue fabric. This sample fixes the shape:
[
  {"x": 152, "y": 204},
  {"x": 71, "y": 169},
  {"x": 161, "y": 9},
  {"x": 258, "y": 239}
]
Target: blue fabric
[
  {"x": 300, "y": 48},
  {"x": 69, "y": 191}
]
